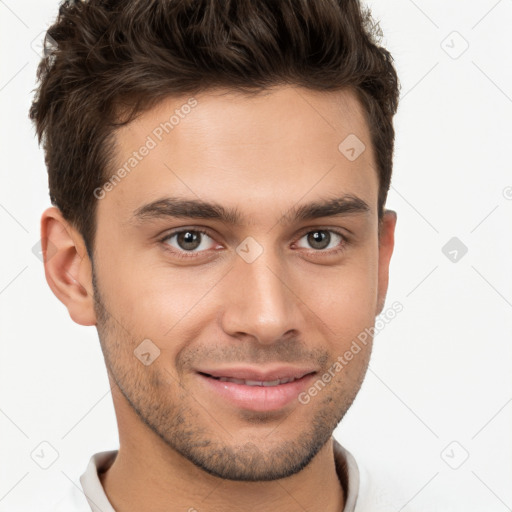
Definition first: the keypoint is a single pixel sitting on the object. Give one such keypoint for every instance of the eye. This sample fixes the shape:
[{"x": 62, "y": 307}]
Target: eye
[
  {"x": 187, "y": 241},
  {"x": 190, "y": 243},
  {"x": 322, "y": 239}
]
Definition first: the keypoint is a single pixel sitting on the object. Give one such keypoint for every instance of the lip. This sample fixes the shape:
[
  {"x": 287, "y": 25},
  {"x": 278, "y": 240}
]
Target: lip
[{"x": 257, "y": 398}]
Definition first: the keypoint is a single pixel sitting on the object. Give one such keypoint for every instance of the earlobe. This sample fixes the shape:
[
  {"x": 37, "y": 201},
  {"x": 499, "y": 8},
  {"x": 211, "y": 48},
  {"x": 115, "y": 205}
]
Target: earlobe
[
  {"x": 67, "y": 266},
  {"x": 386, "y": 246}
]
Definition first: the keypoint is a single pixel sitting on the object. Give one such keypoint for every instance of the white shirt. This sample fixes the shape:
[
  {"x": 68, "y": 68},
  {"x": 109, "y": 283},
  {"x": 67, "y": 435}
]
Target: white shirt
[{"x": 360, "y": 495}]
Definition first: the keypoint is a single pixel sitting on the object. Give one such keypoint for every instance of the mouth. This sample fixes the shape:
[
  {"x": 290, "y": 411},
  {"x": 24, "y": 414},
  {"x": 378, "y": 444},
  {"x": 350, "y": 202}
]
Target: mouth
[
  {"x": 247, "y": 382},
  {"x": 256, "y": 389}
]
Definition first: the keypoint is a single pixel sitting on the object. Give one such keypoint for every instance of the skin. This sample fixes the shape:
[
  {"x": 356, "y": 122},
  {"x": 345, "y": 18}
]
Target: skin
[{"x": 181, "y": 445}]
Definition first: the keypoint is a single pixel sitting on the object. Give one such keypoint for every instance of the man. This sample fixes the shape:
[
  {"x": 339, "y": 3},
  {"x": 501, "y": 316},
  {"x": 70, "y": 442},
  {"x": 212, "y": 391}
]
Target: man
[{"x": 219, "y": 171}]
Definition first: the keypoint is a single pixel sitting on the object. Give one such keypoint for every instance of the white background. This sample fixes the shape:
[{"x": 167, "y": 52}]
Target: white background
[{"x": 439, "y": 388}]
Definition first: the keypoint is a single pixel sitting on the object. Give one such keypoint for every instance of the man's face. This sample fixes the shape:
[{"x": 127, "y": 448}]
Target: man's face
[{"x": 232, "y": 304}]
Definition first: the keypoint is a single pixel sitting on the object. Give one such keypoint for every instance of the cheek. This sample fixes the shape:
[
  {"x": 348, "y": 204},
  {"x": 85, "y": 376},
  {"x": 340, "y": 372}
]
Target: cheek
[
  {"x": 160, "y": 303},
  {"x": 344, "y": 298}
]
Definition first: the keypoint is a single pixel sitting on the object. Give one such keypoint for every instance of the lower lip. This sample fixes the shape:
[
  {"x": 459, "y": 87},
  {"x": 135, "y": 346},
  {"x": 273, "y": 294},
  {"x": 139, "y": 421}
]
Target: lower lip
[{"x": 258, "y": 398}]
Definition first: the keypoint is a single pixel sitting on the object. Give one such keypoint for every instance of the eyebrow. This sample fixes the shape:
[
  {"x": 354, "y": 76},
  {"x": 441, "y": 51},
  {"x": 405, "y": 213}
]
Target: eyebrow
[{"x": 176, "y": 207}]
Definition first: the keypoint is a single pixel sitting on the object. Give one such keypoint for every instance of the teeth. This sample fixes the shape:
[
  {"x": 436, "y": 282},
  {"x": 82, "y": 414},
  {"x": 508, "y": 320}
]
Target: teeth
[
  {"x": 272, "y": 383},
  {"x": 227, "y": 379},
  {"x": 254, "y": 382},
  {"x": 265, "y": 383}
]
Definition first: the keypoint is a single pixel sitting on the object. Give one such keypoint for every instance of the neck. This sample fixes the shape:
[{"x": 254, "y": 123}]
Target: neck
[{"x": 151, "y": 476}]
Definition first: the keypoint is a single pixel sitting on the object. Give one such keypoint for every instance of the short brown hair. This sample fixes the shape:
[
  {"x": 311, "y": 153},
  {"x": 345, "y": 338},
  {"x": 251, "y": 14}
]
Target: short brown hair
[{"x": 113, "y": 56}]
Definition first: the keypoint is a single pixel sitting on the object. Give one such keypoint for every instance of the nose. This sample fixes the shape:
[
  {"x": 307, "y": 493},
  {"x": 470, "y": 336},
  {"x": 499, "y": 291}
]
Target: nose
[{"x": 258, "y": 300}]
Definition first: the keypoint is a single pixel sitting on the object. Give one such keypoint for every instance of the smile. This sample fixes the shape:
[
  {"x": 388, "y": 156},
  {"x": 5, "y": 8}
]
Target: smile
[
  {"x": 267, "y": 383},
  {"x": 255, "y": 389}
]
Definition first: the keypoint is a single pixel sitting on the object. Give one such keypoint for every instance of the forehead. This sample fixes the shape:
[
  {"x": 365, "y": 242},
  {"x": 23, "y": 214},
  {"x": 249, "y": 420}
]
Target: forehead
[{"x": 250, "y": 152}]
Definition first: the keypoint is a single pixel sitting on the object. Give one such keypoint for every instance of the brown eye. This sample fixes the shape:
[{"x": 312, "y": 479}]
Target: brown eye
[
  {"x": 322, "y": 239},
  {"x": 188, "y": 240}
]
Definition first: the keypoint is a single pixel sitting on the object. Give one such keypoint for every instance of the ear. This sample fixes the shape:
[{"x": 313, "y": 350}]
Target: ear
[
  {"x": 386, "y": 245},
  {"x": 67, "y": 266}
]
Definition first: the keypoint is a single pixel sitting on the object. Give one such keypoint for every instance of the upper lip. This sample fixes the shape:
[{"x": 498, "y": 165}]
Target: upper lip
[{"x": 259, "y": 374}]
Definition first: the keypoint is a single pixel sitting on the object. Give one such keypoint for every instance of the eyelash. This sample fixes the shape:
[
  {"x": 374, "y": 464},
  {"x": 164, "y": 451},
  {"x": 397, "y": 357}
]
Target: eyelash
[{"x": 188, "y": 255}]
